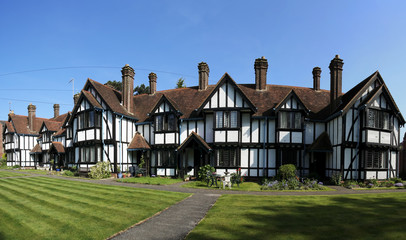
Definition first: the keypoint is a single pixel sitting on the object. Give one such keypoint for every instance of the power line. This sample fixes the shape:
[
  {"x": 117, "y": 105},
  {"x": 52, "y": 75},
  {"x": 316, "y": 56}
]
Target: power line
[
  {"x": 31, "y": 101},
  {"x": 16, "y": 89},
  {"x": 75, "y": 67}
]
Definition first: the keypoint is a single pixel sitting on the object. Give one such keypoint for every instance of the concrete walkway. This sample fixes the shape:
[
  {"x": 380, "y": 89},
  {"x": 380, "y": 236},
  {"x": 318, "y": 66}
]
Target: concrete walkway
[{"x": 178, "y": 220}]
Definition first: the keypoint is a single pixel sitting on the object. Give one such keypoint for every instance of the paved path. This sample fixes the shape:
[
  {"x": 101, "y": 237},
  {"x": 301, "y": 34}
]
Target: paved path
[{"x": 178, "y": 220}]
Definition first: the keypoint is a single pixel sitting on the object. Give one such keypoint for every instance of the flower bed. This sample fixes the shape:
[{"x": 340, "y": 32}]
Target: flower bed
[
  {"x": 292, "y": 184},
  {"x": 374, "y": 184}
]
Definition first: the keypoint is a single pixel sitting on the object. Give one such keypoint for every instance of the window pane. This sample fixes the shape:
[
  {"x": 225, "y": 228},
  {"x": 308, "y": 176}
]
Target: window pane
[
  {"x": 371, "y": 118},
  {"x": 91, "y": 119},
  {"x": 298, "y": 120},
  {"x": 171, "y": 122},
  {"x": 385, "y": 120},
  {"x": 233, "y": 119},
  {"x": 283, "y": 121},
  {"x": 219, "y": 119},
  {"x": 158, "y": 123}
]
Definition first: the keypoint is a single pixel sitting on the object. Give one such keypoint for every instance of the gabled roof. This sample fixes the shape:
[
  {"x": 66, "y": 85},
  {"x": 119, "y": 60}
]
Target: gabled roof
[
  {"x": 169, "y": 101},
  {"x": 227, "y": 78},
  {"x": 57, "y": 146},
  {"x": 288, "y": 96},
  {"x": 20, "y": 124},
  {"x": 36, "y": 150},
  {"x": 110, "y": 96},
  {"x": 9, "y": 127},
  {"x": 196, "y": 138},
  {"x": 51, "y": 125},
  {"x": 138, "y": 143},
  {"x": 321, "y": 144}
]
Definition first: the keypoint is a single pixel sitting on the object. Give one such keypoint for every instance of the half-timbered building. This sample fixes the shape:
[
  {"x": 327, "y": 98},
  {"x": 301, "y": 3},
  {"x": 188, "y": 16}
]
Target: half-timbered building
[
  {"x": 256, "y": 127},
  {"x": 27, "y": 138}
]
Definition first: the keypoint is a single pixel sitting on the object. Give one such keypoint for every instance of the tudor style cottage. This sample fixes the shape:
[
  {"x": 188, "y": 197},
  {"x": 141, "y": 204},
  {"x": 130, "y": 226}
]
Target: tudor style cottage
[
  {"x": 256, "y": 127},
  {"x": 27, "y": 139}
]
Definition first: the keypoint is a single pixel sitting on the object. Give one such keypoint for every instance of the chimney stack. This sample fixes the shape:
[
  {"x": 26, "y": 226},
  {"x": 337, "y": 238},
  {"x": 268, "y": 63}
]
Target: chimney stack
[
  {"x": 31, "y": 117},
  {"x": 316, "y": 78},
  {"x": 76, "y": 98},
  {"x": 128, "y": 87},
  {"x": 56, "y": 110},
  {"x": 152, "y": 83},
  {"x": 336, "y": 80},
  {"x": 261, "y": 67},
  {"x": 203, "y": 75}
]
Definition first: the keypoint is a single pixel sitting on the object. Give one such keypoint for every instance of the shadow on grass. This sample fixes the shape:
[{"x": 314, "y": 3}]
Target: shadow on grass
[{"x": 327, "y": 217}]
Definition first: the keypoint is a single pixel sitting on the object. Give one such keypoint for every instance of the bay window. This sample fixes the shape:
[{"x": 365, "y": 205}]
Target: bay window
[
  {"x": 89, "y": 119},
  {"x": 378, "y": 119},
  {"x": 375, "y": 159}
]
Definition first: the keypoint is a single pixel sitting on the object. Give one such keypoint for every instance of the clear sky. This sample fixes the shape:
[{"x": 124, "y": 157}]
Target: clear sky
[{"x": 45, "y": 44}]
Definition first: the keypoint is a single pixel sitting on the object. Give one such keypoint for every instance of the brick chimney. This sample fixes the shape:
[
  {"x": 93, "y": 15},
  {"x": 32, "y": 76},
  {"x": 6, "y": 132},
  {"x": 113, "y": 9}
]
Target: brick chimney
[
  {"x": 76, "y": 98},
  {"x": 128, "y": 87},
  {"x": 261, "y": 67},
  {"x": 152, "y": 83},
  {"x": 56, "y": 110},
  {"x": 316, "y": 78},
  {"x": 31, "y": 117},
  {"x": 336, "y": 80},
  {"x": 203, "y": 75}
]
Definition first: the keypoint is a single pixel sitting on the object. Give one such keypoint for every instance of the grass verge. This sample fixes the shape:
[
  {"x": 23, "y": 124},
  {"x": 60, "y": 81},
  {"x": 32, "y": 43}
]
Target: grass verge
[
  {"x": 361, "y": 216},
  {"x": 47, "y": 208},
  {"x": 151, "y": 180},
  {"x": 246, "y": 186}
]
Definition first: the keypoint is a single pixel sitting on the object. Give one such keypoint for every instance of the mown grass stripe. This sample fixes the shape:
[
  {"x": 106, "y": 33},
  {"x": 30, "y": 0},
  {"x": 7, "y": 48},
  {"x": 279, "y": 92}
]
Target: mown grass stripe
[
  {"x": 10, "y": 227},
  {"x": 98, "y": 195},
  {"x": 65, "y": 203},
  {"x": 30, "y": 210}
]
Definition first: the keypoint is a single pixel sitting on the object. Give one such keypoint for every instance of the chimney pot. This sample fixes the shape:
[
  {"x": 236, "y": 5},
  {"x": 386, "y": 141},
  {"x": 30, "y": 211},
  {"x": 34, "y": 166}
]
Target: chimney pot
[
  {"x": 204, "y": 72},
  {"x": 316, "y": 78},
  {"x": 76, "y": 98},
  {"x": 56, "y": 110},
  {"x": 261, "y": 68},
  {"x": 336, "y": 80},
  {"x": 128, "y": 87},
  {"x": 152, "y": 83}
]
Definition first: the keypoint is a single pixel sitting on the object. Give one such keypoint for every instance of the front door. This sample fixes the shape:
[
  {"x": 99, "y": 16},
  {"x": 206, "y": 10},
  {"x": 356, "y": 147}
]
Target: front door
[{"x": 318, "y": 165}]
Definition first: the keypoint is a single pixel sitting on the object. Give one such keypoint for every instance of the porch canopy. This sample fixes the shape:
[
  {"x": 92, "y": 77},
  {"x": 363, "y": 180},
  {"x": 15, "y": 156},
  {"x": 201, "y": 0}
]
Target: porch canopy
[
  {"x": 36, "y": 150},
  {"x": 321, "y": 144},
  {"x": 138, "y": 143},
  {"x": 194, "y": 138},
  {"x": 56, "y": 147}
]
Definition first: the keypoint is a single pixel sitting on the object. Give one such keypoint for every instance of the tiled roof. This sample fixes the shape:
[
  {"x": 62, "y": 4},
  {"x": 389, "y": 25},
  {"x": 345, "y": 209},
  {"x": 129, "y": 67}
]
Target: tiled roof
[
  {"x": 52, "y": 126},
  {"x": 321, "y": 144},
  {"x": 60, "y": 132},
  {"x": 91, "y": 99},
  {"x": 57, "y": 146},
  {"x": 138, "y": 143},
  {"x": 20, "y": 124},
  {"x": 10, "y": 127},
  {"x": 36, "y": 149}
]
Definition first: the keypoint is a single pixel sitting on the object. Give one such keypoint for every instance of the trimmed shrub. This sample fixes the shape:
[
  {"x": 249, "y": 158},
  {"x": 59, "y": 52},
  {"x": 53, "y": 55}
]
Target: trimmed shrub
[
  {"x": 286, "y": 172},
  {"x": 336, "y": 178},
  {"x": 68, "y": 173},
  {"x": 100, "y": 170},
  {"x": 203, "y": 172}
]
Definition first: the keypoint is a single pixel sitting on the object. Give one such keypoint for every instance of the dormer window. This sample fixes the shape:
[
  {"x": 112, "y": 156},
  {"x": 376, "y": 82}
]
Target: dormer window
[
  {"x": 378, "y": 119},
  {"x": 290, "y": 120},
  {"x": 166, "y": 122},
  {"x": 227, "y": 119}
]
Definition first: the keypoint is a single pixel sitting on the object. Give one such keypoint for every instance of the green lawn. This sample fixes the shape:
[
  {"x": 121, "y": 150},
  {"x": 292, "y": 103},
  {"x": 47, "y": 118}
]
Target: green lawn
[
  {"x": 35, "y": 171},
  {"x": 151, "y": 180},
  {"x": 47, "y": 208},
  {"x": 363, "y": 216},
  {"x": 10, "y": 174},
  {"x": 246, "y": 186}
]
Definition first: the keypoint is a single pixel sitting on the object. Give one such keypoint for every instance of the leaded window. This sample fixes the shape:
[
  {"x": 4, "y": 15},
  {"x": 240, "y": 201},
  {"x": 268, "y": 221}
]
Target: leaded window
[
  {"x": 289, "y": 156},
  {"x": 227, "y": 119},
  {"x": 90, "y": 154},
  {"x": 290, "y": 120},
  {"x": 165, "y": 158},
  {"x": 378, "y": 119},
  {"x": 376, "y": 159},
  {"x": 89, "y": 119},
  {"x": 166, "y": 122},
  {"x": 227, "y": 157}
]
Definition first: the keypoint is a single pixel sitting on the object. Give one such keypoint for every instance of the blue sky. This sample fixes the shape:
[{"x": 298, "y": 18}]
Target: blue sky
[{"x": 94, "y": 39}]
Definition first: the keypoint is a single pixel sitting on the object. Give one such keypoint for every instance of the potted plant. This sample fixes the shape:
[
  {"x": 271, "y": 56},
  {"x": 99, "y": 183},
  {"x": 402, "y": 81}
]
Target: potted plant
[{"x": 119, "y": 174}]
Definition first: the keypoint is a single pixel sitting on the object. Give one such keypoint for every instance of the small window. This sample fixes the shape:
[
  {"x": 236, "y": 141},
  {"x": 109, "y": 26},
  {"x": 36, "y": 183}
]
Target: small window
[
  {"x": 166, "y": 122},
  {"x": 376, "y": 159},
  {"x": 289, "y": 156},
  {"x": 227, "y": 157},
  {"x": 290, "y": 120},
  {"x": 227, "y": 119}
]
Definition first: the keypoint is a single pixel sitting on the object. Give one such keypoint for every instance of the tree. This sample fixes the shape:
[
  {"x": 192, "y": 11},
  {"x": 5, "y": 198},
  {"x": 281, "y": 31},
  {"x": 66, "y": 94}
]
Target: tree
[
  {"x": 141, "y": 89},
  {"x": 119, "y": 86},
  {"x": 181, "y": 83},
  {"x": 115, "y": 84}
]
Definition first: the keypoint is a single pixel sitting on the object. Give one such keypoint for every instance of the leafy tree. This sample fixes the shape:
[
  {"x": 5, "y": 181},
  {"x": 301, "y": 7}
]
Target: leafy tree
[
  {"x": 181, "y": 83},
  {"x": 141, "y": 89},
  {"x": 115, "y": 84},
  {"x": 119, "y": 86}
]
